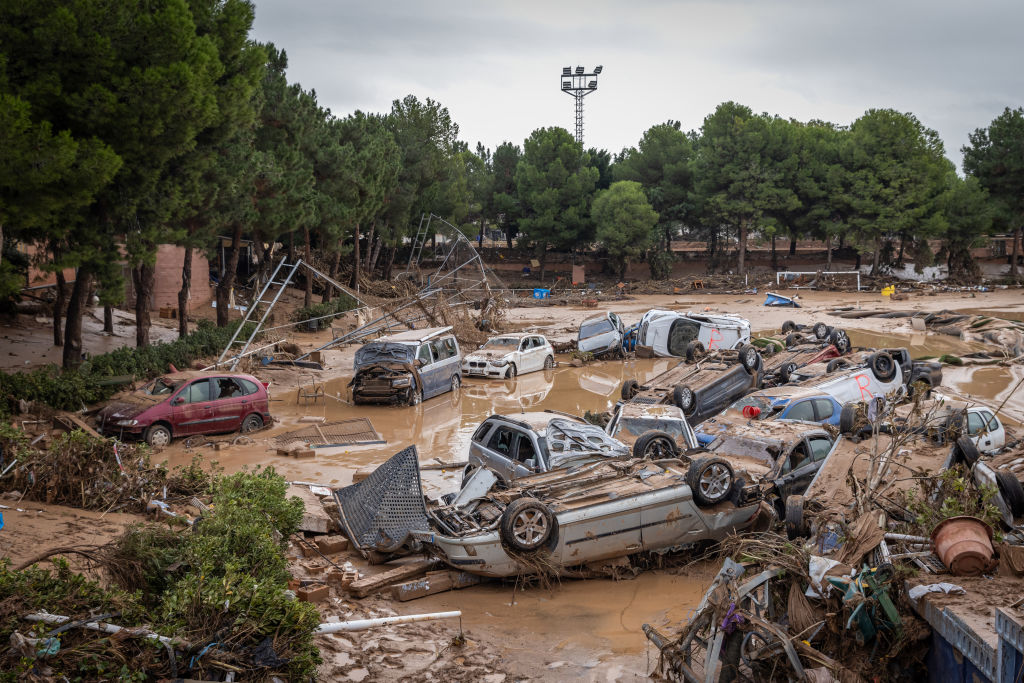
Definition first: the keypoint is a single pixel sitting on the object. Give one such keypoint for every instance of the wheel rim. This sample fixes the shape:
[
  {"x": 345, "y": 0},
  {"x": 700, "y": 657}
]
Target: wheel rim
[
  {"x": 751, "y": 358},
  {"x": 160, "y": 437},
  {"x": 659, "y": 448},
  {"x": 714, "y": 481},
  {"x": 456, "y": 382},
  {"x": 511, "y": 371},
  {"x": 530, "y": 527},
  {"x": 549, "y": 363},
  {"x": 686, "y": 399}
]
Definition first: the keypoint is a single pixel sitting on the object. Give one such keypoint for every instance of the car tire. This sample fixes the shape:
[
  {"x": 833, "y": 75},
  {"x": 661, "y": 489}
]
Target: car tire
[
  {"x": 158, "y": 436},
  {"x": 655, "y": 445},
  {"x": 467, "y": 472},
  {"x": 787, "y": 370},
  {"x": 848, "y": 419},
  {"x": 456, "y": 382},
  {"x": 968, "y": 450},
  {"x": 883, "y": 366},
  {"x": 527, "y": 525},
  {"x": 788, "y": 326},
  {"x": 511, "y": 372},
  {"x": 415, "y": 396},
  {"x": 795, "y": 527},
  {"x": 820, "y": 330},
  {"x": 836, "y": 364},
  {"x": 710, "y": 480},
  {"x": 793, "y": 339},
  {"x": 549, "y": 363},
  {"x": 684, "y": 399},
  {"x": 252, "y": 423},
  {"x": 695, "y": 351},
  {"x": 750, "y": 358},
  {"x": 630, "y": 388},
  {"x": 1012, "y": 492}
]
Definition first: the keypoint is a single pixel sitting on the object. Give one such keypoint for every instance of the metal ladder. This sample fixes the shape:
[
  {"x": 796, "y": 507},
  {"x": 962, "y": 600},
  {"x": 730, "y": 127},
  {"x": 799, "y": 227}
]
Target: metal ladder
[
  {"x": 418, "y": 242},
  {"x": 261, "y": 299}
]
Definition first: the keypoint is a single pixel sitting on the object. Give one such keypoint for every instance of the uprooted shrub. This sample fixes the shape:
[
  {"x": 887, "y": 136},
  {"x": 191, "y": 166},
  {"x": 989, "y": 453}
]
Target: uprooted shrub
[
  {"x": 320, "y": 316},
  {"x": 219, "y": 590},
  {"x": 84, "y": 471}
]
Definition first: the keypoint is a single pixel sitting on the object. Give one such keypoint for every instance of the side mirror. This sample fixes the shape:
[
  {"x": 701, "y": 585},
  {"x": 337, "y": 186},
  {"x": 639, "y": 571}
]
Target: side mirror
[
  {"x": 530, "y": 464},
  {"x": 178, "y": 401}
]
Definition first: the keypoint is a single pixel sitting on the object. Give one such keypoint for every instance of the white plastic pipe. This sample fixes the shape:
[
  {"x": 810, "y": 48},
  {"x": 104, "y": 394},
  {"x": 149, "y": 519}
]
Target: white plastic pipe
[
  {"x": 363, "y": 624},
  {"x": 47, "y": 618}
]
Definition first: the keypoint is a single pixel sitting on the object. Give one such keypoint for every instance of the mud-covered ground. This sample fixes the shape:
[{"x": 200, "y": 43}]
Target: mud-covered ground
[{"x": 574, "y": 630}]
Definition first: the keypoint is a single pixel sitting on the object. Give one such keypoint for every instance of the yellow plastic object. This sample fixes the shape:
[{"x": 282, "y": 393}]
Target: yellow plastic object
[{"x": 889, "y": 291}]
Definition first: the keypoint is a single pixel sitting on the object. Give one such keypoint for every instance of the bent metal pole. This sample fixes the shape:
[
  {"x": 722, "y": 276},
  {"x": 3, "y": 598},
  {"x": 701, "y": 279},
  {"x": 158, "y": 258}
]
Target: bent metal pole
[{"x": 363, "y": 624}]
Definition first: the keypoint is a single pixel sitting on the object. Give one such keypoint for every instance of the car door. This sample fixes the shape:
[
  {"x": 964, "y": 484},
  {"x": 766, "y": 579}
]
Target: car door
[
  {"x": 500, "y": 451},
  {"x": 799, "y": 468},
  {"x": 538, "y": 352},
  {"x": 527, "y": 459},
  {"x": 228, "y": 399},
  {"x": 446, "y": 361},
  {"x": 428, "y": 374},
  {"x": 985, "y": 431},
  {"x": 192, "y": 408}
]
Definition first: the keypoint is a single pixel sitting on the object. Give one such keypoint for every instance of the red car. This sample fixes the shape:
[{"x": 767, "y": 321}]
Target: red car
[{"x": 187, "y": 403}]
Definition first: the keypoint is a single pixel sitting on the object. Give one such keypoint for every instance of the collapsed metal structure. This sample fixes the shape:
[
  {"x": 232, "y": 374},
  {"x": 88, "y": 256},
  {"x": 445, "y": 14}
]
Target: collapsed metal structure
[{"x": 460, "y": 279}]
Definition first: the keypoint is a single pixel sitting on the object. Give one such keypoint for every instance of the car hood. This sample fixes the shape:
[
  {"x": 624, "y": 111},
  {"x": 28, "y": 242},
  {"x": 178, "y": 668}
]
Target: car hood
[
  {"x": 129, "y": 407},
  {"x": 383, "y": 352},
  {"x": 487, "y": 355},
  {"x": 598, "y": 342}
]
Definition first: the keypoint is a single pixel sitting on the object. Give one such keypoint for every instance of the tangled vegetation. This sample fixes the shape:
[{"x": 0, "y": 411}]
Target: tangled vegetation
[
  {"x": 89, "y": 383},
  {"x": 320, "y": 316},
  {"x": 219, "y": 591}
]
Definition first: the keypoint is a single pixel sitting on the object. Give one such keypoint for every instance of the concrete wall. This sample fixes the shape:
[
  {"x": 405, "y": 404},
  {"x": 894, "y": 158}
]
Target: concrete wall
[{"x": 168, "y": 278}]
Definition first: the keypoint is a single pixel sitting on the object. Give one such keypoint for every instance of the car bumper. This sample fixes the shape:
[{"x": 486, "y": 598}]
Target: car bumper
[{"x": 483, "y": 369}]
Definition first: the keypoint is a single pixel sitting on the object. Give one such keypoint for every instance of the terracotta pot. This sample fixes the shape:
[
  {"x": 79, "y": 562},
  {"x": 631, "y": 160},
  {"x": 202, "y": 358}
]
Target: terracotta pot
[{"x": 964, "y": 544}]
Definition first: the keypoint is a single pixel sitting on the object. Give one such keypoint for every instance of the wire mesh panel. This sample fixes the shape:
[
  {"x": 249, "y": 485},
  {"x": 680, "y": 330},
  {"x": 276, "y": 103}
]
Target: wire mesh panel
[
  {"x": 343, "y": 433},
  {"x": 379, "y": 512}
]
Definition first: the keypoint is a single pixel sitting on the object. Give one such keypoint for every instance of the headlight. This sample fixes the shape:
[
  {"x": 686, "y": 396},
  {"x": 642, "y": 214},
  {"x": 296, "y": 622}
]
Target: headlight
[
  {"x": 127, "y": 423},
  {"x": 401, "y": 382},
  {"x": 500, "y": 363}
]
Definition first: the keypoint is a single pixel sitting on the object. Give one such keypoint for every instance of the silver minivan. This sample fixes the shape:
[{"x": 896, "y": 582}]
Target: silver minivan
[{"x": 407, "y": 367}]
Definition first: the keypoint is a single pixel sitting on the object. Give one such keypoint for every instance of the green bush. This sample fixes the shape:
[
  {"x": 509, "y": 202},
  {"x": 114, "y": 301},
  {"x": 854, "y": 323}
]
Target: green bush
[
  {"x": 71, "y": 389},
  {"x": 333, "y": 307},
  {"x": 660, "y": 263}
]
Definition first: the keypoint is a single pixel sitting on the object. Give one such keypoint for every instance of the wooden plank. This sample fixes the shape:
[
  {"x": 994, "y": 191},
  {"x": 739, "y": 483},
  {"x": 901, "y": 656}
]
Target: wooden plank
[
  {"x": 70, "y": 422},
  {"x": 371, "y": 584}
]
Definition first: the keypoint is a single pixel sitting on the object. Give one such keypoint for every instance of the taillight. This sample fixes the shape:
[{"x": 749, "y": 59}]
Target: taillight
[{"x": 751, "y": 411}]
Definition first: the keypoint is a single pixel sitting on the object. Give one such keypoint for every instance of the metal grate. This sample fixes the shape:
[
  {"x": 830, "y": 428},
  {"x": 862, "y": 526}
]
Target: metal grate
[
  {"x": 357, "y": 430},
  {"x": 646, "y": 400},
  {"x": 379, "y": 512}
]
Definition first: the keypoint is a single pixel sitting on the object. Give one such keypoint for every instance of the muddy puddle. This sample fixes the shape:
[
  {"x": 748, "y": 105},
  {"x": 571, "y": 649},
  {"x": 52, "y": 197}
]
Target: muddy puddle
[{"x": 920, "y": 345}]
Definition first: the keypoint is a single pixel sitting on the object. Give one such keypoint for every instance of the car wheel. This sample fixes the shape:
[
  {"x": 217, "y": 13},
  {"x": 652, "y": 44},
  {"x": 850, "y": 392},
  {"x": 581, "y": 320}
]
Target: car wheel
[
  {"x": 466, "y": 474},
  {"x": 788, "y": 326},
  {"x": 848, "y": 419},
  {"x": 549, "y": 363},
  {"x": 793, "y": 339},
  {"x": 158, "y": 436},
  {"x": 820, "y": 330},
  {"x": 252, "y": 423},
  {"x": 456, "y": 382},
  {"x": 749, "y": 357},
  {"x": 630, "y": 388},
  {"x": 526, "y": 525},
  {"x": 835, "y": 364},
  {"x": 883, "y": 366},
  {"x": 1011, "y": 491},
  {"x": 415, "y": 396},
  {"x": 684, "y": 399},
  {"x": 511, "y": 372},
  {"x": 655, "y": 445},
  {"x": 787, "y": 370},
  {"x": 695, "y": 351},
  {"x": 710, "y": 480},
  {"x": 795, "y": 527},
  {"x": 968, "y": 450}
]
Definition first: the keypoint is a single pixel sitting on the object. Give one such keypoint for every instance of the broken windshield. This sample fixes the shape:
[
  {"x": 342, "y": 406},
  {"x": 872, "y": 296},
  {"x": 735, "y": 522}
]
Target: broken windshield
[
  {"x": 592, "y": 328},
  {"x": 760, "y": 402},
  {"x": 635, "y": 426},
  {"x": 161, "y": 387},
  {"x": 383, "y": 352},
  {"x": 502, "y": 343}
]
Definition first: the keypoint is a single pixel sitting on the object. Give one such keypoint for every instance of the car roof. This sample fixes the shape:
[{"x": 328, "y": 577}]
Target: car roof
[
  {"x": 601, "y": 316},
  {"x": 658, "y": 410},
  {"x": 415, "y": 336},
  {"x": 516, "y": 335},
  {"x": 189, "y": 375},
  {"x": 791, "y": 392},
  {"x": 536, "y": 420}
]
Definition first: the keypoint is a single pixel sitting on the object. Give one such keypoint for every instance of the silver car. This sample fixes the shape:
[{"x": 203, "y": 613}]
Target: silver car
[{"x": 601, "y": 334}]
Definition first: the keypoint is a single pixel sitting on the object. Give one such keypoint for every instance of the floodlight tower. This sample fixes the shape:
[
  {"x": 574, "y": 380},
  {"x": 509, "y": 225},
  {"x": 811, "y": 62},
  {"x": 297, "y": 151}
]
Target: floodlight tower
[{"x": 579, "y": 85}]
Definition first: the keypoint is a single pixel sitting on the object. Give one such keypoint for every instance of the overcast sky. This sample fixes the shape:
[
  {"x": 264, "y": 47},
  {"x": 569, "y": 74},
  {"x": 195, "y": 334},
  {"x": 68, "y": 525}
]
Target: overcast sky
[{"x": 496, "y": 66}]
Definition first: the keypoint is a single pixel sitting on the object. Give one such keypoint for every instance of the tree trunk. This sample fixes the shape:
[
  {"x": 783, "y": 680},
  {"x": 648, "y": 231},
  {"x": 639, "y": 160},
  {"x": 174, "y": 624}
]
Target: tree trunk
[
  {"x": 828, "y": 249},
  {"x": 391, "y": 262},
  {"x": 308, "y": 299},
  {"x": 508, "y": 238},
  {"x": 903, "y": 243},
  {"x": 108, "y": 319},
  {"x": 480, "y": 239},
  {"x": 877, "y": 257},
  {"x": 144, "y": 278},
  {"x": 73, "y": 325},
  {"x": 328, "y": 287},
  {"x": 367, "y": 267},
  {"x": 227, "y": 277},
  {"x": 291, "y": 247},
  {"x": 792, "y": 245},
  {"x": 354, "y": 281},
  {"x": 775, "y": 261},
  {"x": 371, "y": 267},
  {"x": 741, "y": 249},
  {"x": 1013, "y": 258},
  {"x": 713, "y": 243},
  {"x": 185, "y": 292},
  {"x": 58, "y": 309}
]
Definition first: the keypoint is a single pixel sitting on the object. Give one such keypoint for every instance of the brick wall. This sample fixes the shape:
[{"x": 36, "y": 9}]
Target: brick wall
[{"x": 168, "y": 278}]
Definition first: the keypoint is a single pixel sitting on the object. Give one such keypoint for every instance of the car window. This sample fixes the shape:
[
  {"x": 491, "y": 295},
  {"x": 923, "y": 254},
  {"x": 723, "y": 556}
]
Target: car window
[
  {"x": 197, "y": 392},
  {"x": 974, "y": 423},
  {"x": 501, "y": 441},
  {"x": 796, "y": 460},
  {"x": 525, "y": 451},
  {"x": 592, "y": 328},
  {"x": 680, "y": 334},
  {"x": 450, "y": 347},
  {"x": 481, "y": 432},
  {"x": 247, "y": 386},
  {"x": 820, "y": 447},
  {"x": 162, "y": 387},
  {"x": 525, "y": 344},
  {"x": 225, "y": 387},
  {"x": 423, "y": 354},
  {"x": 993, "y": 425},
  {"x": 801, "y": 411},
  {"x": 635, "y": 426},
  {"x": 824, "y": 408}
]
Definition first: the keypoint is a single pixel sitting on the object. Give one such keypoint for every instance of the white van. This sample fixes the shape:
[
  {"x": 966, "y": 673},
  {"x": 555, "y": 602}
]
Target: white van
[{"x": 666, "y": 334}]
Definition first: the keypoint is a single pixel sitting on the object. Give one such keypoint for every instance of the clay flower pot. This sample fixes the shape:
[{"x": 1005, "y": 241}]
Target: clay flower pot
[{"x": 964, "y": 544}]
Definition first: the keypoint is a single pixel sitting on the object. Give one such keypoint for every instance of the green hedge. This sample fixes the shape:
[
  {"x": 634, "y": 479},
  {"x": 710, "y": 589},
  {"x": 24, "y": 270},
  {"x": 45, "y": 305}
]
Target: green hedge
[
  {"x": 71, "y": 389},
  {"x": 339, "y": 305}
]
